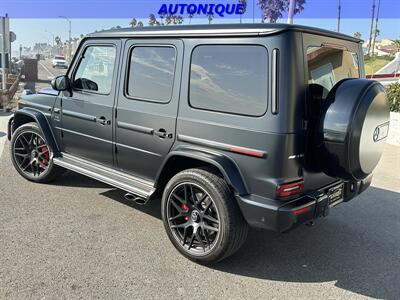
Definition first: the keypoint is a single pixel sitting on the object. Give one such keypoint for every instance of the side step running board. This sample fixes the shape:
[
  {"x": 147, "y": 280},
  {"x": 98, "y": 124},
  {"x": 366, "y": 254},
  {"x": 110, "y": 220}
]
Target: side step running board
[{"x": 121, "y": 180}]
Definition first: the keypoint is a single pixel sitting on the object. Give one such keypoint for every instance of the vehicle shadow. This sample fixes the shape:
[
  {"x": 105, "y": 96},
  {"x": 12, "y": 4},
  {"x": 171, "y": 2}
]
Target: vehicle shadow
[
  {"x": 357, "y": 247},
  {"x": 72, "y": 179}
]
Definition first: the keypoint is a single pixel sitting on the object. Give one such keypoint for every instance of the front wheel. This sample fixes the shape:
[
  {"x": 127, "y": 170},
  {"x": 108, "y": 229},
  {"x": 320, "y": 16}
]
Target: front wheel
[
  {"x": 31, "y": 156},
  {"x": 201, "y": 216}
]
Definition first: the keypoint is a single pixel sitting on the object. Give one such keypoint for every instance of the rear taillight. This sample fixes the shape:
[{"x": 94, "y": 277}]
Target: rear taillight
[{"x": 289, "y": 189}]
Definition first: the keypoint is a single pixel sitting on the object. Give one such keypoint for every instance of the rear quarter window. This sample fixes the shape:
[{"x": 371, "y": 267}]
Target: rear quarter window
[
  {"x": 229, "y": 78},
  {"x": 327, "y": 66}
]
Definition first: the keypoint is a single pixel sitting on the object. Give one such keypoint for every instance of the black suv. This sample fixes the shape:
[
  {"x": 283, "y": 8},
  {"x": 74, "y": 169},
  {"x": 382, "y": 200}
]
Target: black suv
[{"x": 267, "y": 125}]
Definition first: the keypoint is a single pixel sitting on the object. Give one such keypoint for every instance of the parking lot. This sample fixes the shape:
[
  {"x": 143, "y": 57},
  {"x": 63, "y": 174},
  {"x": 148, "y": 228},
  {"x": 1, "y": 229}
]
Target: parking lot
[{"x": 77, "y": 238}]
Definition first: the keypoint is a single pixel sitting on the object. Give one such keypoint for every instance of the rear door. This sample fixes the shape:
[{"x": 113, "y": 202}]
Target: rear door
[
  {"x": 87, "y": 113},
  {"x": 147, "y": 105}
]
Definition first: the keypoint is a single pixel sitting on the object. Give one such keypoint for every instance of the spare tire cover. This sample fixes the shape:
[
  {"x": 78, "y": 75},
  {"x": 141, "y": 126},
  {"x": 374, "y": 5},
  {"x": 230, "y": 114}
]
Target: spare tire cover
[{"x": 353, "y": 128}]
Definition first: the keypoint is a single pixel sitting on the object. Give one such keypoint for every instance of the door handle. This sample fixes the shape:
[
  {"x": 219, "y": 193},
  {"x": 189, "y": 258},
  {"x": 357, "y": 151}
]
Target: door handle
[
  {"x": 162, "y": 133},
  {"x": 103, "y": 121}
]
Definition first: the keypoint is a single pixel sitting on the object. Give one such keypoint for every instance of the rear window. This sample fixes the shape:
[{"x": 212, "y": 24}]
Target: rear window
[
  {"x": 59, "y": 57},
  {"x": 327, "y": 66},
  {"x": 229, "y": 78}
]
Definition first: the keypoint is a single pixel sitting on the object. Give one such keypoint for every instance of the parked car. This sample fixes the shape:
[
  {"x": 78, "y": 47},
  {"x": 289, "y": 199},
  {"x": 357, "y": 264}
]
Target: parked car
[
  {"x": 261, "y": 125},
  {"x": 60, "y": 62}
]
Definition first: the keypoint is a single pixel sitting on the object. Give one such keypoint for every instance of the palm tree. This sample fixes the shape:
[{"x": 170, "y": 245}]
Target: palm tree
[
  {"x": 190, "y": 18},
  {"x": 133, "y": 22},
  {"x": 372, "y": 28},
  {"x": 242, "y": 11},
  {"x": 210, "y": 17},
  {"x": 140, "y": 24},
  {"x": 272, "y": 10},
  {"x": 152, "y": 20},
  {"x": 357, "y": 35},
  {"x": 376, "y": 31}
]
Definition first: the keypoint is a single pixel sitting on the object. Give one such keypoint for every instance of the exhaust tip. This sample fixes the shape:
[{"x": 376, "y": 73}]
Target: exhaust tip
[{"x": 136, "y": 199}]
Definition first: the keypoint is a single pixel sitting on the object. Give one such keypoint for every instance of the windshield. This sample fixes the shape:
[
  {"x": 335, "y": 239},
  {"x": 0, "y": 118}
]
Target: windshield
[
  {"x": 327, "y": 66},
  {"x": 59, "y": 57}
]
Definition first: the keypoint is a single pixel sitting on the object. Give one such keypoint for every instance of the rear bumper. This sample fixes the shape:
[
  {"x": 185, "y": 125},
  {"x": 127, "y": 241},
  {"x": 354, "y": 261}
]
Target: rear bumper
[{"x": 282, "y": 216}]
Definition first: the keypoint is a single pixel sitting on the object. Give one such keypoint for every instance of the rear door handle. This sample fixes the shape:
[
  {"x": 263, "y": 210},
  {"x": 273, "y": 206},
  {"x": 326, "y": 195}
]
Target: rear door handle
[
  {"x": 162, "y": 133},
  {"x": 103, "y": 121}
]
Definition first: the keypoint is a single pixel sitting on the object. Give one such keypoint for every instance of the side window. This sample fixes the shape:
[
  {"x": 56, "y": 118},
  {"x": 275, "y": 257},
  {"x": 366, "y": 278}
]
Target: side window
[
  {"x": 96, "y": 69},
  {"x": 151, "y": 73},
  {"x": 229, "y": 78}
]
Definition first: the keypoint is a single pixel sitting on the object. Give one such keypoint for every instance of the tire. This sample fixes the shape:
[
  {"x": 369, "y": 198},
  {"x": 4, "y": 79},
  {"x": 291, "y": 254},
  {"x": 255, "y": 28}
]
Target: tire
[
  {"x": 38, "y": 154},
  {"x": 214, "y": 201},
  {"x": 352, "y": 129}
]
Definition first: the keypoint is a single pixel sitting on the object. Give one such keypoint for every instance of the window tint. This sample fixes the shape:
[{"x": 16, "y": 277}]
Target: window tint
[
  {"x": 96, "y": 69},
  {"x": 151, "y": 73},
  {"x": 229, "y": 78},
  {"x": 327, "y": 66}
]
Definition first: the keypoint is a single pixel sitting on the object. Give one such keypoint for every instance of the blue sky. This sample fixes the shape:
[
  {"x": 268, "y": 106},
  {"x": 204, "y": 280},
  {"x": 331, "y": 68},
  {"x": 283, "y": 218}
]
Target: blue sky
[{"x": 39, "y": 19}]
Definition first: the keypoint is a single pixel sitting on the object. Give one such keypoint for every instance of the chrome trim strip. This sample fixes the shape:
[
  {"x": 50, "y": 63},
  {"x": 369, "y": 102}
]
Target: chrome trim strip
[
  {"x": 133, "y": 127},
  {"x": 275, "y": 82},
  {"x": 137, "y": 149},
  {"x": 218, "y": 145},
  {"x": 85, "y": 135},
  {"x": 78, "y": 115}
]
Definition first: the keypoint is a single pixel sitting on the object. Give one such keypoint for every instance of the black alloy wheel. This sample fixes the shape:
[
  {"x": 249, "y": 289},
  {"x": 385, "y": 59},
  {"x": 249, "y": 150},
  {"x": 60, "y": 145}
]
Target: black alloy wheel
[
  {"x": 31, "y": 154},
  {"x": 201, "y": 216},
  {"x": 193, "y": 218}
]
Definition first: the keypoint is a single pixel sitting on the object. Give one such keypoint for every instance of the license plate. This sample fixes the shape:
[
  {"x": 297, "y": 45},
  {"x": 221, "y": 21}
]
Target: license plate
[{"x": 335, "y": 195}]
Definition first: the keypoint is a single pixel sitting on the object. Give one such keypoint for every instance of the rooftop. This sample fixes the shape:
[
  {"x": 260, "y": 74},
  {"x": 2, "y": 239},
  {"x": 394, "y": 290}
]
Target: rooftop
[{"x": 262, "y": 29}]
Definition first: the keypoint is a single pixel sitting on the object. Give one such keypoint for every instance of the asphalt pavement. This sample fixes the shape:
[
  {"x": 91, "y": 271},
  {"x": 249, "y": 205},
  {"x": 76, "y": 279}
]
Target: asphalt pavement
[{"x": 78, "y": 238}]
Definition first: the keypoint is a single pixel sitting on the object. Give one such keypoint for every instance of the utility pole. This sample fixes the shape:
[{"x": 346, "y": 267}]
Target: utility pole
[
  {"x": 376, "y": 27},
  {"x": 372, "y": 27},
  {"x": 69, "y": 40},
  {"x": 339, "y": 15},
  {"x": 3, "y": 48},
  {"x": 292, "y": 5}
]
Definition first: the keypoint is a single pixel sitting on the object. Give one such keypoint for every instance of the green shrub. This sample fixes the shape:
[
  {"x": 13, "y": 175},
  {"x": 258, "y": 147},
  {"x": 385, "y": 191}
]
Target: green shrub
[{"x": 393, "y": 92}]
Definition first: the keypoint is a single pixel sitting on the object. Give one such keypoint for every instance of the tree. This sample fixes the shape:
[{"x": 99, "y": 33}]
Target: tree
[
  {"x": 372, "y": 28},
  {"x": 133, "y": 22},
  {"x": 375, "y": 33},
  {"x": 190, "y": 18},
  {"x": 152, "y": 20},
  {"x": 272, "y": 10},
  {"x": 210, "y": 17},
  {"x": 397, "y": 43},
  {"x": 242, "y": 11},
  {"x": 357, "y": 35},
  {"x": 140, "y": 24}
]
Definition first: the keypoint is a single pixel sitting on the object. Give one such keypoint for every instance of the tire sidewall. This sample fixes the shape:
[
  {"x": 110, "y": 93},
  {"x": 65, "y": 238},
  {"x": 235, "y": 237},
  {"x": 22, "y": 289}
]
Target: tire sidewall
[
  {"x": 34, "y": 128},
  {"x": 209, "y": 187}
]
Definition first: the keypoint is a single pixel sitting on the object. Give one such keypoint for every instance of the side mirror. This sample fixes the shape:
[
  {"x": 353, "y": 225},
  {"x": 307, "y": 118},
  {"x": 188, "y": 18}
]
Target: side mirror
[{"x": 61, "y": 83}]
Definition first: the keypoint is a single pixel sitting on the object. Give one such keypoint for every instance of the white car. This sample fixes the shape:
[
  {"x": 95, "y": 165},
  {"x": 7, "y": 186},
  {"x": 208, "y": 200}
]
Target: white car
[{"x": 59, "y": 62}]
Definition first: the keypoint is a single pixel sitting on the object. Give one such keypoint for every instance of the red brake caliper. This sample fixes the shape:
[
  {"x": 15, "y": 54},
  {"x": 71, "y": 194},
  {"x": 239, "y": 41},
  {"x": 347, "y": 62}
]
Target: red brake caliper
[
  {"x": 45, "y": 155},
  {"x": 185, "y": 208}
]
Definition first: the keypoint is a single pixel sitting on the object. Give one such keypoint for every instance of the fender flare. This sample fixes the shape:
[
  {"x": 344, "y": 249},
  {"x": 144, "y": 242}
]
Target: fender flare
[
  {"x": 40, "y": 119},
  {"x": 224, "y": 164}
]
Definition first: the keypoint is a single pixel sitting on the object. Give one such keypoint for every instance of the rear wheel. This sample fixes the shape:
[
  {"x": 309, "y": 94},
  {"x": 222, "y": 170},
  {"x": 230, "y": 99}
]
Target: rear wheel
[
  {"x": 201, "y": 217},
  {"x": 31, "y": 156}
]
